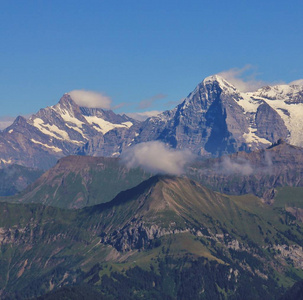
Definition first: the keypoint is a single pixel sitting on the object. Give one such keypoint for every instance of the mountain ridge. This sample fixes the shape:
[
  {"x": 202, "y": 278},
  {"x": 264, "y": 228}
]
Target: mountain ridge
[
  {"x": 213, "y": 120},
  {"x": 79, "y": 181},
  {"x": 258, "y": 172}
]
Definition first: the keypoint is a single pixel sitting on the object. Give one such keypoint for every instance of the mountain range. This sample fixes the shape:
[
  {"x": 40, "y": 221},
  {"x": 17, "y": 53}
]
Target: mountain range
[
  {"x": 80, "y": 181},
  {"x": 214, "y": 119}
]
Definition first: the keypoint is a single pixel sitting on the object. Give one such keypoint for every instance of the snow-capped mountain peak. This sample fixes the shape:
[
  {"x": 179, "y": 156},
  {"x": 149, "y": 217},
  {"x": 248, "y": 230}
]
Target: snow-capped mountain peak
[
  {"x": 61, "y": 130},
  {"x": 217, "y": 118},
  {"x": 220, "y": 81}
]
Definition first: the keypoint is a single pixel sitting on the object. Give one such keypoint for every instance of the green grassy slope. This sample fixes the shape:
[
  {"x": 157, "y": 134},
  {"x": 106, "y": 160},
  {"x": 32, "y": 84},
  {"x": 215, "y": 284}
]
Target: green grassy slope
[{"x": 164, "y": 226}]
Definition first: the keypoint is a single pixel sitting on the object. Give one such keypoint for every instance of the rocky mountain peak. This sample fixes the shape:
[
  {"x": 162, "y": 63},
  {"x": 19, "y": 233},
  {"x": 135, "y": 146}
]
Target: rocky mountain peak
[
  {"x": 66, "y": 105},
  {"x": 66, "y": 98},
  {"x": 216, "y": 118},
  {"x": 217, "y": 80},
  {"x": 210, "y": 90},
  {"x": 19, "y": 121}
]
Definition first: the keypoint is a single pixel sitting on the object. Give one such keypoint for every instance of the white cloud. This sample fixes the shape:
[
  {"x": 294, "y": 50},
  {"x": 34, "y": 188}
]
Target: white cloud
[
  {"x": 240, "y": 166},
  {"x": 142, "y": 116},
  {"x": 241, "y": 80},
  {"x": 90, "y": 99},
  {"x": 6, "y": 121},
  {"x": 156, "y": 157},
  {"x": 297, "y": 82}
]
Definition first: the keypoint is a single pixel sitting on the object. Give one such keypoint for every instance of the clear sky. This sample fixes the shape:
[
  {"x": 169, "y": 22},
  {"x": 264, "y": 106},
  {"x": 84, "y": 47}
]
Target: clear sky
[{"x": 144, "y": 55}]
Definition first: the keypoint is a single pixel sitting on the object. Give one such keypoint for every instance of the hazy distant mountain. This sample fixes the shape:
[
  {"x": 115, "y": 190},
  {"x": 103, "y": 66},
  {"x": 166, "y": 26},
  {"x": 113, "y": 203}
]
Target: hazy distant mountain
[
  {"x": 79, "y": 181},
  {"x": 259, "y": 172},
  {"x": 15, "y": 178},
  {"x": 215, "y": 119}
]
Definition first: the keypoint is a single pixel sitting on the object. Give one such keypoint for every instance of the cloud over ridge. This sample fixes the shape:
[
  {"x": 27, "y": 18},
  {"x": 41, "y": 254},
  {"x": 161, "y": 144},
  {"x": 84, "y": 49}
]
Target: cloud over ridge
[
  {"x": 142, "y": 116},
  {"x": 156, "y": 157},
  {"x": 90, "y": 99},
  {"x": 243, "y": 83}
]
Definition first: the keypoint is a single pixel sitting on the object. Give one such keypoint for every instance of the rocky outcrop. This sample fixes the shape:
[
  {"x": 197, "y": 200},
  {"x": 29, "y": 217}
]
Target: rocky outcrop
[
  {"x": 269, "y": 124},
  {"x": 133, "y": 236},
  {"x": 290, "y": 252}
]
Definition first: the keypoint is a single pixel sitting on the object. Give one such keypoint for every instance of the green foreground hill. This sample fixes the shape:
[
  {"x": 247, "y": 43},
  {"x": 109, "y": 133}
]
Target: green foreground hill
[{"x": 166, "y": 238}]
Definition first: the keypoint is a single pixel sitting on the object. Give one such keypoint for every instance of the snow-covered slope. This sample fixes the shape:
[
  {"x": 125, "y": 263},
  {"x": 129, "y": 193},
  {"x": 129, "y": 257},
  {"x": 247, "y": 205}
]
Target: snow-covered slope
[
  {"x": 287, "y": 101},
  {"x": 58, "y": 131},
  {"x": 69, "y": 122}
]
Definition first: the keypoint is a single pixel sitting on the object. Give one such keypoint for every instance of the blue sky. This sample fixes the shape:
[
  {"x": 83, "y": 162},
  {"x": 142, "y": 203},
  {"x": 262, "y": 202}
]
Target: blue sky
[{"x": 144, "y": 55}]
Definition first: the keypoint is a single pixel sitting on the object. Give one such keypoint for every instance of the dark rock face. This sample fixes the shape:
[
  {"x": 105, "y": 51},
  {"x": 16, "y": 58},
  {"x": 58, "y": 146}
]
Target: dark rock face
[
  {"x": 209, "y": 121},
  {"x": 219, "y": 139},
  {"x": 134, "y": 236},
  {"x": 269, "y": 124}
]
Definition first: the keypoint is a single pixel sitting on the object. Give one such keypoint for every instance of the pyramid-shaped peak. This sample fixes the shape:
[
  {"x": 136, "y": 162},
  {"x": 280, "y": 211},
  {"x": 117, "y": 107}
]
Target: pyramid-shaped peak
[
  {"x": 222, "y": 82},
  {"x": 67, "y": 100},
  {"x": 66, "y": 105}
]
